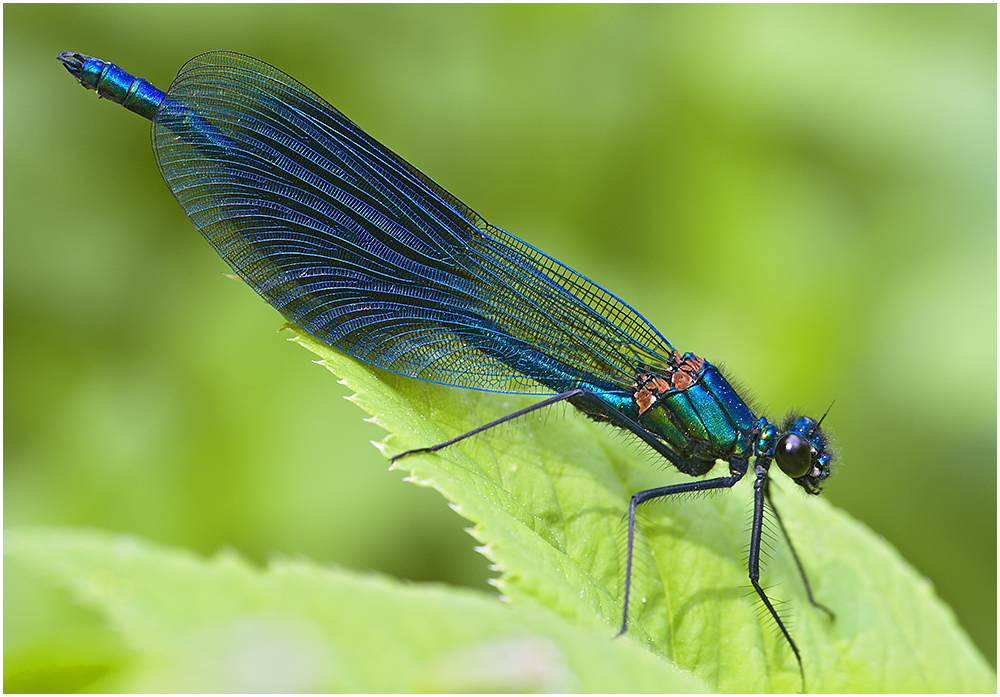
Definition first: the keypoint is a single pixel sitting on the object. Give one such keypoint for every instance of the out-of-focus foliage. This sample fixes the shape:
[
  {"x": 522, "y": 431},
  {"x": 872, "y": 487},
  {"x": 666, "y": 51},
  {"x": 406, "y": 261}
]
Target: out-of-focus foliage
[
  {"x": 807, "y": 194},
  {"x": 222, "y": 625}
]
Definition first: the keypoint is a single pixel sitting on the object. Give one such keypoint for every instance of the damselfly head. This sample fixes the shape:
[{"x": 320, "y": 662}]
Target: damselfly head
[{"x": 802, "y": 452}]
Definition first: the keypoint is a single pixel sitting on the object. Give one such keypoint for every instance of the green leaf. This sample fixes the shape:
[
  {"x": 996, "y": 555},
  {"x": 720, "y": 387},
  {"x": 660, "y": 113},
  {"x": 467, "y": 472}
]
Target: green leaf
[
  {"x": 547, "y": 501},
  {"x": 221, "y": 625}
]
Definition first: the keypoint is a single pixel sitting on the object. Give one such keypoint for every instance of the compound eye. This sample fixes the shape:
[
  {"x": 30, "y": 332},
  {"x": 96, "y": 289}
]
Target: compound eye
[{"x": 794, "y": 455}]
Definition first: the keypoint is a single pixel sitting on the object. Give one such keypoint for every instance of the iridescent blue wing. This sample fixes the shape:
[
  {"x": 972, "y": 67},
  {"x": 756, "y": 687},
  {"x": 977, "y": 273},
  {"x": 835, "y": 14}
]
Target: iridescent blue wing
[{"x": 365, "y": 252}]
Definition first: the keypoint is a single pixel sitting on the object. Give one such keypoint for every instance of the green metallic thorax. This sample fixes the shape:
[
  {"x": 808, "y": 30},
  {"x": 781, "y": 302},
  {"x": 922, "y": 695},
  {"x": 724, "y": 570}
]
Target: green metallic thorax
[{"x": 698, "y": 413}]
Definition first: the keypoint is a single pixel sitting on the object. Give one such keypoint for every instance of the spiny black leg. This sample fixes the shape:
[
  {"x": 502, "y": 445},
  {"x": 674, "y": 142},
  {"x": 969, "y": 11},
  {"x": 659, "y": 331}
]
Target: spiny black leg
[
  {"x": 737, "y": 469},
  {"x": 496, "y": 422},
  {"x": 759, "y": 488},
  {"x": 795, "y": 556}
]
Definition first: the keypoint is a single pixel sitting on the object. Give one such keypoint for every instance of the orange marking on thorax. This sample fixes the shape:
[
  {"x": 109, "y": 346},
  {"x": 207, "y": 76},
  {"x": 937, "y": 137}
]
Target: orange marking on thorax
[{"x": 681, "y": 374}]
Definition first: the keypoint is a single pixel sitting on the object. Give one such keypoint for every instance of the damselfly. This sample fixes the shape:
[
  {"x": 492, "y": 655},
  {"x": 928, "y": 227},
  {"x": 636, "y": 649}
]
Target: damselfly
[{"x": 366, "y": 253}]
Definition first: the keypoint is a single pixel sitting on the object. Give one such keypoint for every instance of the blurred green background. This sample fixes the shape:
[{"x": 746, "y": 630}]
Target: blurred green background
[{"x": 806, "y": 194}]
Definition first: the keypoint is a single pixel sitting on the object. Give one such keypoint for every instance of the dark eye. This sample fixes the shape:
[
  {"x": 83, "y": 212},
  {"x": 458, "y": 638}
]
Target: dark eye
[{"x": 794, "y": 455}]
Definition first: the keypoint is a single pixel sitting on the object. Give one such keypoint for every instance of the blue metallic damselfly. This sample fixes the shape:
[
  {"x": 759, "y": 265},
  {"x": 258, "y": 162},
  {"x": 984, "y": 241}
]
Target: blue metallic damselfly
[{"x": 367, "y": 254}]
